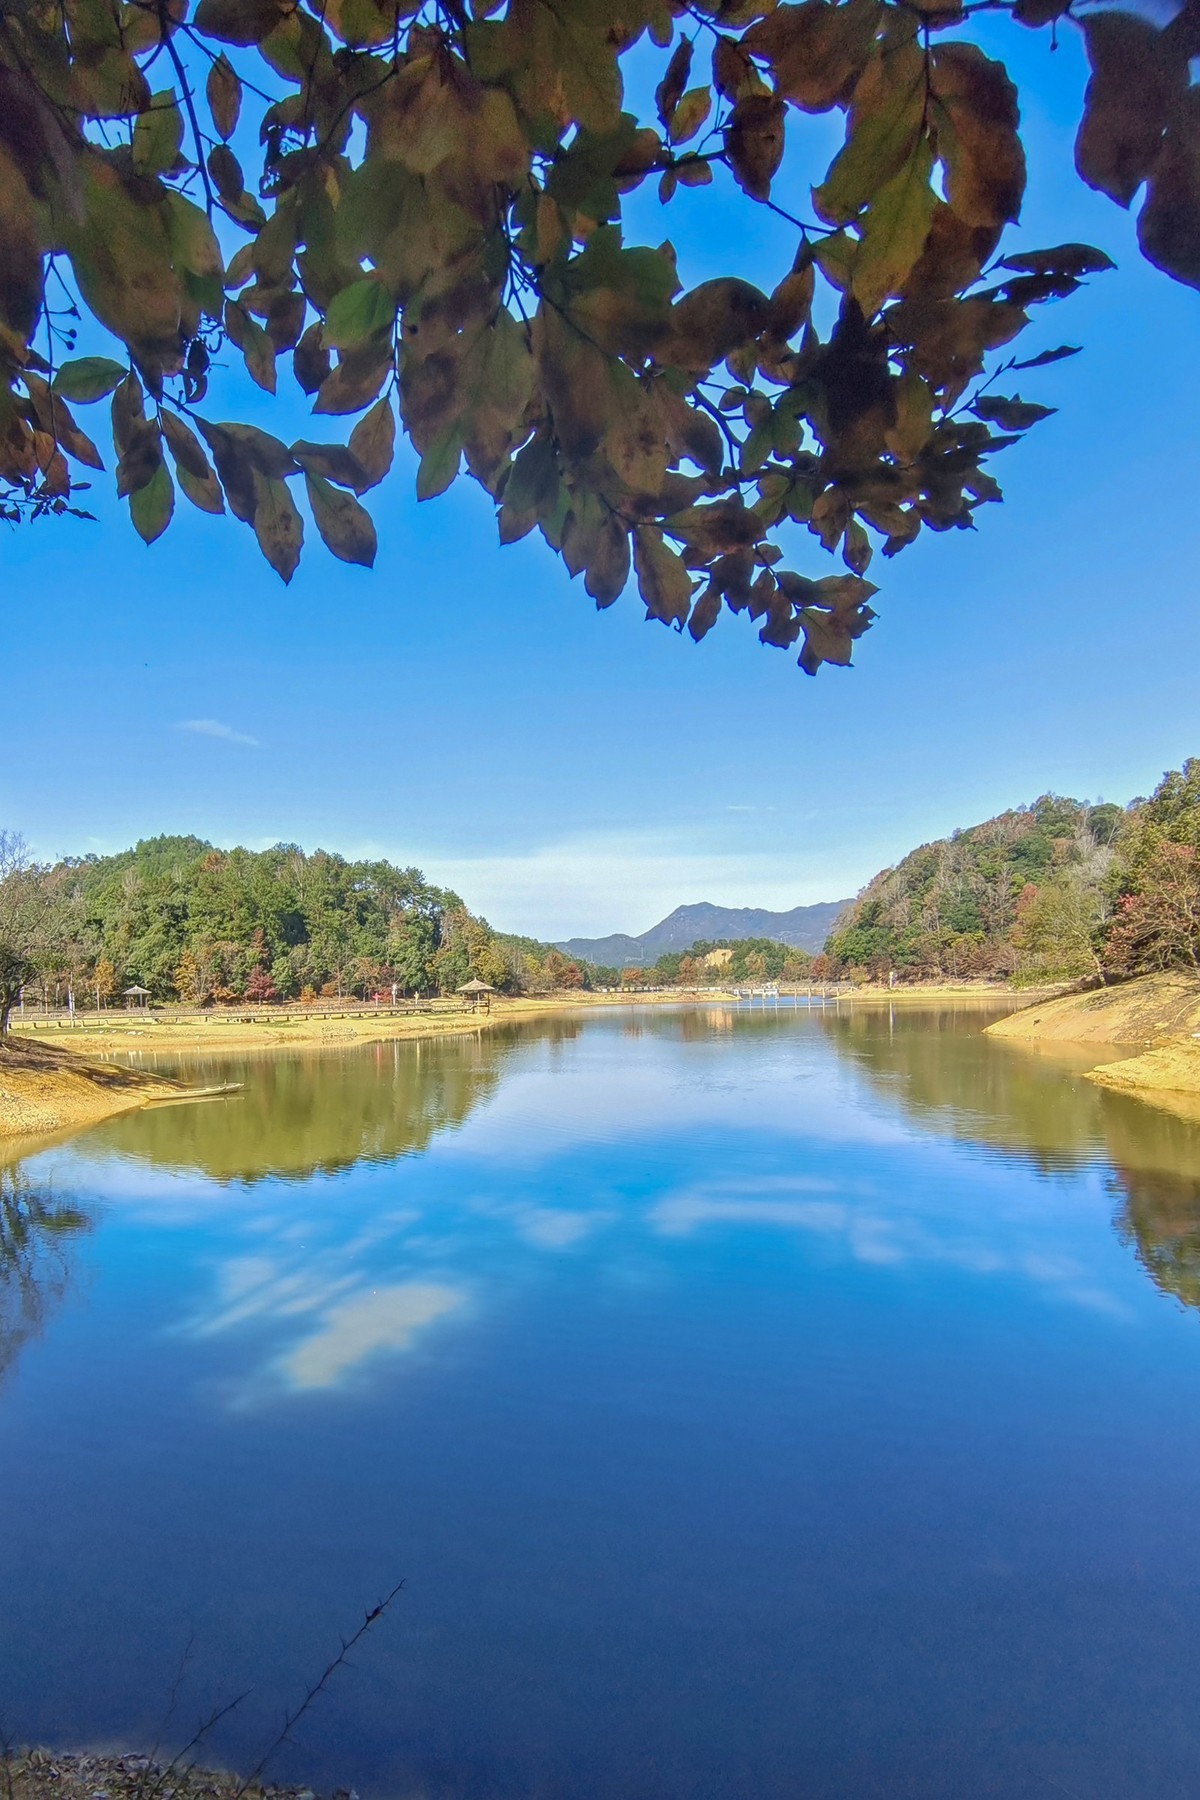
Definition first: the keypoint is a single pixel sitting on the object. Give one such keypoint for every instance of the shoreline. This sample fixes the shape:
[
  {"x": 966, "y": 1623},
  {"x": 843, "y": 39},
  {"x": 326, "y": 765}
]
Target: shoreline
[
  {"x": 41, "y": 1774},
  {"x": 56, "y": 1078},
  {"x": 1154, "y": 1020}
]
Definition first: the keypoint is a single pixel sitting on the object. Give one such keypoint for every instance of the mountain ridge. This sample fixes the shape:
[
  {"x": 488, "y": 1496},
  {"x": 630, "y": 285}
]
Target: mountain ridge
[{"x": 802, "y": 928}]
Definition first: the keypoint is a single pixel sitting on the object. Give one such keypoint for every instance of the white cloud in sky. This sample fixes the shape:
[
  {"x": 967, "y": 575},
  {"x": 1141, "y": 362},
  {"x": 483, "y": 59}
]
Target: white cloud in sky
[
  {"x": 215, "y": 728},
  {"x": 589, "y": 884}
]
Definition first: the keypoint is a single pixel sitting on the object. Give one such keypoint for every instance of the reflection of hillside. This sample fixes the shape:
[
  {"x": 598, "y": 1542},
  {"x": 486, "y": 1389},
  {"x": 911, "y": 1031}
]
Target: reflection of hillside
[
  {"x": 1160, "y": 1221},
  {"x": 299, "y": 1115},
  {"x": 998, "y": 1094},
  {"x": 944, "y": 1071},
  {"x": 35, "y": 1232}
]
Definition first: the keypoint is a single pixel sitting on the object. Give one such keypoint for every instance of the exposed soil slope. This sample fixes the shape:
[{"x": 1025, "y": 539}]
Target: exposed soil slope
[
  {"x": 1141, "y": 1012},
  {"x": 45, "y": 1088}
]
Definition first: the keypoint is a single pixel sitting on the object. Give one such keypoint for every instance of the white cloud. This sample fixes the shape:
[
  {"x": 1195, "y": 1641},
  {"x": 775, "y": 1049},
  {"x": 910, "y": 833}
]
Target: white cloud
[
  {"x": 214, "y": 728},
  {"x": 387, "y": 1318},
  {"x": 598, "y": 882}
]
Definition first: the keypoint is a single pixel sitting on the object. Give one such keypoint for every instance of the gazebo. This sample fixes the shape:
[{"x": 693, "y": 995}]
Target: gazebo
[
  {"x": 136, "y": 996},
  {"x": 476, "y": 990}
]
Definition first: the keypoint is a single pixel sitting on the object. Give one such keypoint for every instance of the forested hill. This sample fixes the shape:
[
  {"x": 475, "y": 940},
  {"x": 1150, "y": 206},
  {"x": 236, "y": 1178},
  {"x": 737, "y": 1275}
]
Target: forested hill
[
  {"x": 803, "y": 928},
  {"x": 186, "y": 920},
  {"x": 1058, "y": 889}
]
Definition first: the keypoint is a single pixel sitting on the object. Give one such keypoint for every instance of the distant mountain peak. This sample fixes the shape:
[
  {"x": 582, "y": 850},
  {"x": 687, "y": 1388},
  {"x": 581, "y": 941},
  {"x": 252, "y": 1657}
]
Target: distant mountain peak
[{"x": 803, "y": 928}]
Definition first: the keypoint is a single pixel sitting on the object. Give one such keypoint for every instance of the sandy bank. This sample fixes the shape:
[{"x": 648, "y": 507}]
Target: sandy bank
[
  {"x": 1141, "y": 1012},
  {"x": 47, "y": 1088},
  {"x": 1167, "y": 1075},
  {"x": 1159, "y": 1014}
]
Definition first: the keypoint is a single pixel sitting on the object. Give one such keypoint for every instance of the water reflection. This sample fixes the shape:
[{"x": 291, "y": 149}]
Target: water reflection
[
  {"x": 307, "y": 1114},
  {"x": 1036, "y": 1105},
  {"x": 806, "y": 1336},
  {"x": 35, "y": 1271}
]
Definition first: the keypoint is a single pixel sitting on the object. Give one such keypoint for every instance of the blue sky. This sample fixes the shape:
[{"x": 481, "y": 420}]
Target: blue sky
[{"x": 465, "y": 708}]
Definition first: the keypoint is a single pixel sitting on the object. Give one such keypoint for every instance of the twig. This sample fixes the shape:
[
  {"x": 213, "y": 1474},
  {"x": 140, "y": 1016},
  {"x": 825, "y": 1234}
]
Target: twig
[
  {"x": 214, "y": 1718},
  {"x": 173, "y": 1698},
  {"x": 293, "y": 1718},
  {"x": 185, "y": 88}
]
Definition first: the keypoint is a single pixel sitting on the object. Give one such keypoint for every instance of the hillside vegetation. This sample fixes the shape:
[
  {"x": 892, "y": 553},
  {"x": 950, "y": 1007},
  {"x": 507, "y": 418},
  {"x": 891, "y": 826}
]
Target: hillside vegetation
[
  {"x": 1059, "y": 890},
  {"x": 191, "y": 922}
]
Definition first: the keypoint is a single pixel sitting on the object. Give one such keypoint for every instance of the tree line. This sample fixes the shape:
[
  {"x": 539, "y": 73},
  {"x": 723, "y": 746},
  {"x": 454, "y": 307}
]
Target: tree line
[
  {"x": 192, "y": 923},
  {"x": 1059, "y": 890}
]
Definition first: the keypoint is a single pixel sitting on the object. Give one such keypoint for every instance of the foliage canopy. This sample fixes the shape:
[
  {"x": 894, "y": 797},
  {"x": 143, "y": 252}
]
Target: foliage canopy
[
  {"x": 420, "y": 205},
  {"x": 1057, "y": 890}
]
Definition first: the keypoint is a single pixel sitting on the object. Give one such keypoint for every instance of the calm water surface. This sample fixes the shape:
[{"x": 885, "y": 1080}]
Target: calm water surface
[{"x": 758, "y": 1405}]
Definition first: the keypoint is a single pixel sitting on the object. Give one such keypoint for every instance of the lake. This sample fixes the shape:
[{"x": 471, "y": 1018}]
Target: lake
[{"x": 756, "y": 1402}]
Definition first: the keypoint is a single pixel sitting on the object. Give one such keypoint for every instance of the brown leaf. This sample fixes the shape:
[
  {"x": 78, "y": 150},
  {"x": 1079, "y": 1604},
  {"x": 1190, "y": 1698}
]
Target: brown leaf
[
  {"x": 816, "y": 50},
  {"x": 373, "y": 442},
  {"x": 669, "y": 91},
  {"x": 355, "y": 381},
  {"x": 277, "y": 525},
  {"x": 608, "y": 566},
  {"x": 754, "y": 141},
  {"x": 21, "y": 262},
  {"x": 663, "y": 581},
  {"x": 344, "y": 525},
  {"x": 184, "y": 445},
  {"x": 975, "y": 114},
  {"x": 1169, "y": 225},
  {"x": 223, "y": 91},
  {"x": 711, "y": 321},
  {"x": 1136, "y": 76},
  {"x": 311, "y": 361},
  {"x": 332, "y": 461}
]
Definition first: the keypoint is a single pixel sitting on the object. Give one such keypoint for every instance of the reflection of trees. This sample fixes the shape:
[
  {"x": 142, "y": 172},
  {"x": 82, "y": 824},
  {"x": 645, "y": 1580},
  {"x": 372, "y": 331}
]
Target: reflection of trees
[
  {"x": 1160, "y": 1221},
  {"x": 1016, "y": 1101},
  {"x": 34, "y": 1269},
  {"x": 942, "y": 1069},
  {"x": 303, "y": 1114}
]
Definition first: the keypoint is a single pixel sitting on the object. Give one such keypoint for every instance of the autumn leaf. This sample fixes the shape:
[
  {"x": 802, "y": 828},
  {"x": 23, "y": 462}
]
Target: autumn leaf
[
  {"x": 344, "y": 525},
  {"x": 223, "y": 91},
  {"x": 277, "y": 525},
  {"x": 754, "y": 143},
  {"x": 1137, "y": 75},
  {"x": 663, "y": 581}
]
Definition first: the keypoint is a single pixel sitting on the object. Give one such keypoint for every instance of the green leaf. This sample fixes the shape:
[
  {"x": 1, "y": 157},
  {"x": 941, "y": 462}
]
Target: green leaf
[
  {"x": 344, "y": 525},
  {"x": 690, "y": 114},
  {"x": 362, "y": 311},
  {"x": 439, "y": 465},
  {"x": 151, "y": 506},
  {"x": 885, "y": 122},
  {"x": 894, "y": 231},
  {"x": 88, "y": 378},
  {"x": 157, "y": 135}
]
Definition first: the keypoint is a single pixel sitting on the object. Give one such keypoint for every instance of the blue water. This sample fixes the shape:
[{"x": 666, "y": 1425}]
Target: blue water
[{"x": 754, "y": 1404}]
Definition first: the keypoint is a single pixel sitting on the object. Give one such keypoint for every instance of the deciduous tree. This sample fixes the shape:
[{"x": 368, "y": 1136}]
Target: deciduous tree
[{"x": 420, "y": 208}]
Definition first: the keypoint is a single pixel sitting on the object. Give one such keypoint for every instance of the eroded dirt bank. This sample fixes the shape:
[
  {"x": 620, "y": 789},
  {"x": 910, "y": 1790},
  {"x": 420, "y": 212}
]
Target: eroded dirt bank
[
  {"x": 45, "y": 1088},
  {"x": 1156, "y": 1016}
]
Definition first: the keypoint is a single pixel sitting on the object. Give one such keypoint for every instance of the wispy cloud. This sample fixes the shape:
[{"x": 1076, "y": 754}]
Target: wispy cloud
[
  {"x": 595, "y": 882},
  {"x": 214, "y": 728}
]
